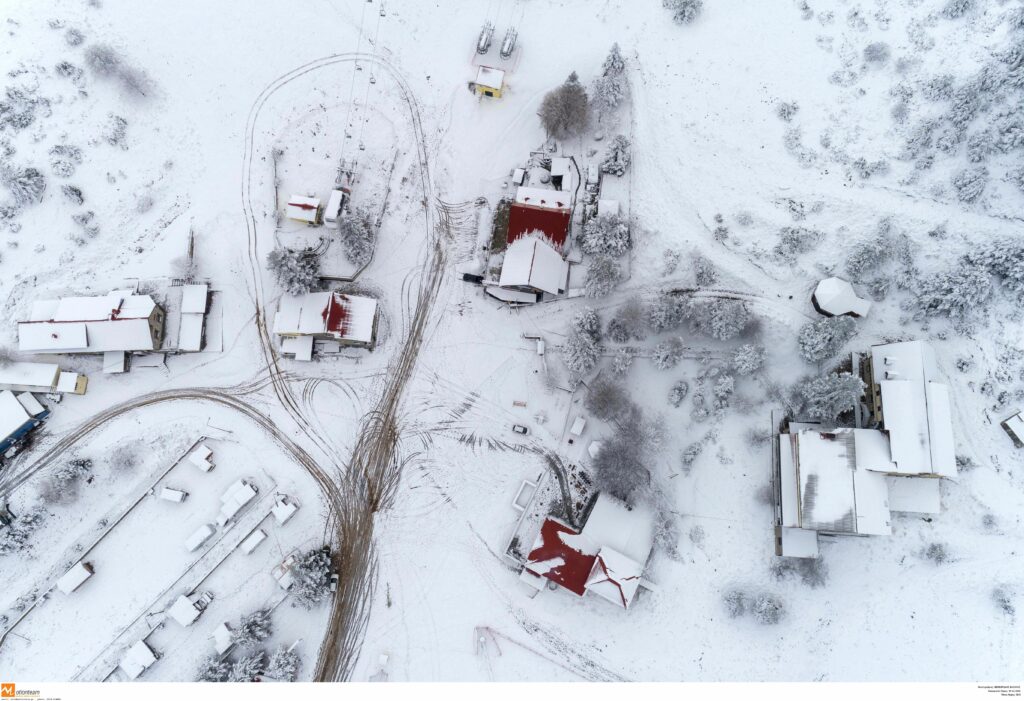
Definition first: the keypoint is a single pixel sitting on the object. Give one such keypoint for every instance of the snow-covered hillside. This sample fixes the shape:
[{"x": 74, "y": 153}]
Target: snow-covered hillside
[{"x": 772, "y": 144}]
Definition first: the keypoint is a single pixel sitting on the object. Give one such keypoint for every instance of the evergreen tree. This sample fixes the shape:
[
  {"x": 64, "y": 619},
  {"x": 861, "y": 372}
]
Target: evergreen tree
[{"x": 565, "y": 110}]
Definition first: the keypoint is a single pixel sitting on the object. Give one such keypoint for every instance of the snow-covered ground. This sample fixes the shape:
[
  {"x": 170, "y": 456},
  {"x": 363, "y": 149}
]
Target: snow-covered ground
[{"x": 224, "y": 88}]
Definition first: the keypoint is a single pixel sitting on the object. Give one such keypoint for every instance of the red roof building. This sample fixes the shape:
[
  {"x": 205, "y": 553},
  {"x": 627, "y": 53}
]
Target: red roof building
[
  {"x": 546, "y": 211},
  {"x": 556, "y": 555}
]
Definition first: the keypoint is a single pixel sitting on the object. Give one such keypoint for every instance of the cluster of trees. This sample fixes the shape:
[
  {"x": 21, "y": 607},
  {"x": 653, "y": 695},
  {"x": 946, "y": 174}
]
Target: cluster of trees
[
  {"x": 566, "y": 111},
  {"x": 824, "y": 398},
  {"x": 824, "y": 338},
  {"x": 297, "y": 271},
  {"x": 62, "y": 485},
  {"x": 765, "y": 608},
  {"x": 253, "y": 662}
]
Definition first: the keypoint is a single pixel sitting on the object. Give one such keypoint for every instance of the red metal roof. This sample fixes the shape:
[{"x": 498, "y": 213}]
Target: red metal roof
[
  {"x": 336, "y": 315},
  {"x": 575, "y": 566},
  {"x": 553, "y": 223}
]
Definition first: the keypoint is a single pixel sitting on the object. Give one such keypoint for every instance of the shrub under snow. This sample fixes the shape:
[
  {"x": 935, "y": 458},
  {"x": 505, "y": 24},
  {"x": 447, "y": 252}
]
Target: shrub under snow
[
  {"x": 283, "y": 665},
  {"x": 15, "y": 537},
  {"x": 748, "y": 358},
  {"x": 603, "y": 274}
]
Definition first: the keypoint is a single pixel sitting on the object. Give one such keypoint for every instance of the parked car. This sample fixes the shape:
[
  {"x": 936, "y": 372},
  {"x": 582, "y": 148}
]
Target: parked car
[
  {"x": 334, "y": 582},
  {"x": 520, "y": 429}
]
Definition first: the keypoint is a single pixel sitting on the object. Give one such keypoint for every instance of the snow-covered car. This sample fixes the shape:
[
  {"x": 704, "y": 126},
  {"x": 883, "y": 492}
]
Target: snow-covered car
[
  {"x": 334, "y": 582},
  {"x": 520, "y": 429}
]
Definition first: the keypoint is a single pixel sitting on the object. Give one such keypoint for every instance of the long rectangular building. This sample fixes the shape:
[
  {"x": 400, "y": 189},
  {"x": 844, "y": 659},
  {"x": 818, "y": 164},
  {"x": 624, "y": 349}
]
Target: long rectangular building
[{"x": 120, "y": 321}]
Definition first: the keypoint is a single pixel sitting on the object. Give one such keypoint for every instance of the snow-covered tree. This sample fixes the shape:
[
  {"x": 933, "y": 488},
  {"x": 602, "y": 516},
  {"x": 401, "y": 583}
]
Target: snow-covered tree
[
  {"x": 62, "y": 485},
  {"x": 611, "y": 87},
  {"x": 312, "y": 575},
  {"x": 73, "y": 194},
  {"x": 605, "y": 235},
  {"x": 620, "y": 467},
  {"x": 667, "y": 354},
  {"x": 603, "y": 274},
  {"x": 970, "y": 183},
  {"x": 828, "y": 396},
  {"x": 678, "y": 393},
  {"x": 683, "y": 11},
  {"x": 247, "y": 668},
  {"x": 26, "y": 185},
  {"x": 358, "y": 235},
  {"x": 1003, "y": 257},
  {"x": 629, "y": 322},
  {"x": 607, "y": 399},
  {"x": 252, "y": 629},
  {"x": 587, "y": 321},
  {"x": 213, "y": 669},
  {"x": 298, "y": 272},
  {"x": 866, "y": 257},
  {"x": 824, "y": 338},
  {"x": 718, "y": 317},
  {"x": 15, "y": 537},
  {"x": 580, "y": 353},
  {"x": 748, "y": 358},
  {"x": 565, "y": 110},
  {"x": 617, "y": 157},
  {"x": 957, "y": 293},
  {"x": 283, "y": 665}
]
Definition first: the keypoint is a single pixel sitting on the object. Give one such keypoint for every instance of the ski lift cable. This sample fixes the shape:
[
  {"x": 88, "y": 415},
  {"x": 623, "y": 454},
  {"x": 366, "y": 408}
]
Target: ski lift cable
[
  {"x": 352, "y": 84},
  {"x": 370, "y": 81}
]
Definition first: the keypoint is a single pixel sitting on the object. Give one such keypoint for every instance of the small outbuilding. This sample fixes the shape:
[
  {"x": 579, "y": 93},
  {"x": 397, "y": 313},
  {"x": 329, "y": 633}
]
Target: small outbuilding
[
  {"x": 19, "y": 415},
  {"x": 835, "y": 297},
  {"x": 75, "y": 577},
  {"x": 137, "y": 660},
  {"x": 489, "y": 82},
  {"x": 184, "y": 611},
  {"x": 308, "y": 210},
  {"x": 1014, "y": 427}
]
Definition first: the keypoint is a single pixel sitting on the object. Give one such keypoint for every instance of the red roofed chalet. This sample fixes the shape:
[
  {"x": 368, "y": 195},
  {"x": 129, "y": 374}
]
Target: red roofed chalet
[
  {"x": 537, "y": 209},
  {"x": 556, "y": 555}
]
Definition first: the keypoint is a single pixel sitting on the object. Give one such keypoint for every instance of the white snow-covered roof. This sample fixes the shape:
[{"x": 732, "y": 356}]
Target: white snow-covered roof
[
  {"x": 788, "y": 484},
  {"x": 561, "y": 166},
  {"x": 68, "y": 382},
  {"x": 915, "y": 408},
  {"x": 612, "y": 524},
  {"x": 114, "y": 362},
  {"x": 299, "y": 346},
  {"x": 921, "y": 495},
  {"x": 193, "y": 298},
  {"x": 871, "y": 450},
  {"x": 74, "y": 577},
  {"x": 46, "y": 336},
  {"x": 303, "y": 208},
  {"x": 198, "y": 537},
  {"x": 835, "y": 296},
  {"x": 137, "y": 660},
  {"x": 190, "y": 332},
  {"x": 343, "y": 316},
  {"x": 132, "y": 334},
  {"x": 301, "y": 315},
  {"x": 237, "y": 496},
  {"x": 12, "y": 414},
  {"x": 184, "y": 611},
  {"x": 1015, "y": 425},
  {"x": 29, "y": 374},
  {"x": 506, "y": 295},
  {"x": 283, "y": 510},
  {"x": 200, "y": 455},
  {"x": 615, "y": 577},
  {"x": 542, "y": 197},
  {"x": 798, "y": 542},
  {"x": 530, "y": 262},
  {"x": 118, "y": 304},
  {"x": 252, "y": 541},
  {"x": 835, "y": 495},
  {"x": 222, "y": 638},
  {"x": 31, "y": 404},
  {"x": 490, "y": 77}
]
